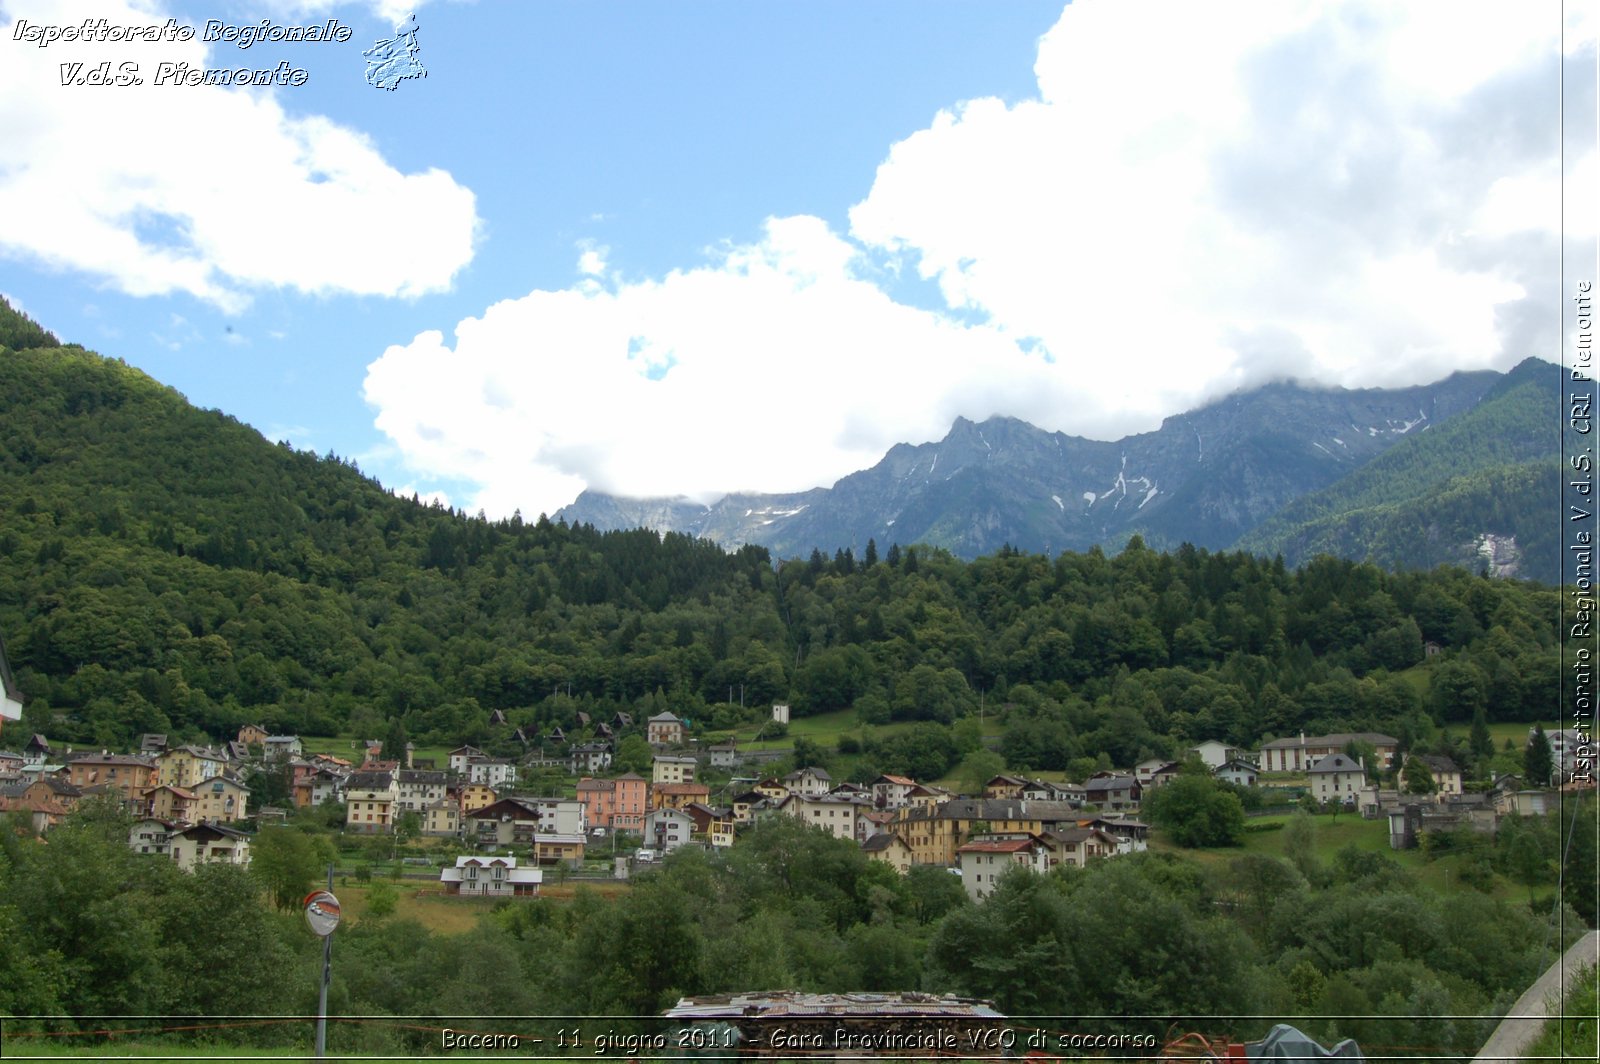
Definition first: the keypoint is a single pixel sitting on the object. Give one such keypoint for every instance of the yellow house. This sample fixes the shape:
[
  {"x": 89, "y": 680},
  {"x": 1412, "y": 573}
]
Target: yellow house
[
  {"x": 442, "y": 818},
  {"x": 475, "y": 796},
  {"x": 550, "y": 849},
  {"x": 935, "y": 834},
  {"x": 889, "y": 848},
  {"x": 170, "y": 803},
  {"x": 186, "y": 766},
  {"x": 221, "y": 798}
]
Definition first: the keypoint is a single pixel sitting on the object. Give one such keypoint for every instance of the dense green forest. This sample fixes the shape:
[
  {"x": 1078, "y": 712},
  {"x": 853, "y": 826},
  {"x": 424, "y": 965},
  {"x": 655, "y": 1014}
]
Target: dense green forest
[
  {"x": 1350, "y": 944},
  {"x": 164, "y": 568}
]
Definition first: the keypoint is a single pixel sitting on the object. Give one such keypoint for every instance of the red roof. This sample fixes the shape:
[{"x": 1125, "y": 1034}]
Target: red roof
[{"x": 997, "y": 846}]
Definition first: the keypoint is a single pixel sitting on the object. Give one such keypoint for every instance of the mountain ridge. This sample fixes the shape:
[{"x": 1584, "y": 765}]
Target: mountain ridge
[{"x": 1209, "y": 476}]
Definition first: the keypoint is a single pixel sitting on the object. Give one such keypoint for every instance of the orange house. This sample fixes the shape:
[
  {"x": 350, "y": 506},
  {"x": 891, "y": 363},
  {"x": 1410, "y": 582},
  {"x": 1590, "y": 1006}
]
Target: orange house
[{"x": 125, "y": 774}]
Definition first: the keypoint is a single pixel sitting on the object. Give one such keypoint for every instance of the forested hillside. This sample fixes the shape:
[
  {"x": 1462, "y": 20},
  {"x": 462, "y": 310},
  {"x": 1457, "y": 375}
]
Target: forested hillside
[
  {"x": 1430, "y": 499},
  {"x": 164, "y": 568}
]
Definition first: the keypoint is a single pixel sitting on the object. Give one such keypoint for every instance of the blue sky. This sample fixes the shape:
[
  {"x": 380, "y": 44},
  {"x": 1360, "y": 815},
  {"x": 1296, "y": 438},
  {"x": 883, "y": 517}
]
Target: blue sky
[{"x": 695, "y": 248}]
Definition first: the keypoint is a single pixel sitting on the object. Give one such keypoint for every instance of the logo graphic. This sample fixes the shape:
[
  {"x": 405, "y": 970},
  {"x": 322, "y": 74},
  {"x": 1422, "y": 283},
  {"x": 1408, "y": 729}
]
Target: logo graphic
[{"x": 392, "y": 61}]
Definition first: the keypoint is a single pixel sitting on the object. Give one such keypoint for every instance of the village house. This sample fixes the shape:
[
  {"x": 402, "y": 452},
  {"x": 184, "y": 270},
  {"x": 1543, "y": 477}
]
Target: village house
[
  {"x": 632, "y": 802},
  {"x": 1511, "y": 798},
  {"x": 808, "y": 781},
  {"x": 1004, "y": 786},
  {"x": 281, "y": 747},
  {"x": 37, "y": 751},
  {"x": 416, "y": 789},
  {"x": 1160, "y": 777},
  {"x": 551, "y": 848},
  {"x": 459, "y": 758},
  {"x": 589, "y": 757},
  {"x": 1216, "y": 753},
  {"x": 506, "y": 823},
  {"x": 616, "y": 804},
  {"x": 666, "y": 829},
  {"x": 185, "y": 766},
  {"x": 48, "y": 789},
  {"x": 935, "y": 833},
  {"x": 221, "y": 798},
  {"x": 475, "y": 796},
  {"x": 599, "y": 800},
  {"x": 170, "y": 803},
  {"x": 125, "y": 775},
  {"x": 723, "y": 755},
  {"x": 678, "y": 795},
  {"x": 892, "y": 792},
  {"x": 321, "y": 786},
  {"x": 1047, "y": 791},
  {"x": 495, "y": 772},
  {"x": 1107, "y": 790},
  {"x": 709, "y": 822},
  {"x": 771, "y": 790},
  {"x": 369, "y": 801},
  {"x": 512, "y": 823},
  {"x": 442, "y": 819},
  {"x": 664, "y": 729},
  {"x": 889, "y": 848},
  {"x": 151, "y": 835},
  {"x": 252, "y": 735},
  {"x": 1299, "y": 754},
  {"x": 492, "y": 877},
  {"x": 1446, "y": 775},
  {"x": 1237, "y": 771},
  {"x": 986, "y": 858},
  {"x": 208, "y": 844},
  {"x": 1336, "y": 778},
  {"x": 1078, "y": 846},
  {"x": 1146, "y": 768},
  {"x": 669, "y": 768},
  {"x": 839, "y": 815},
  {"x": 1131, "y": 835},
  {"x": 37, "y": 801}
]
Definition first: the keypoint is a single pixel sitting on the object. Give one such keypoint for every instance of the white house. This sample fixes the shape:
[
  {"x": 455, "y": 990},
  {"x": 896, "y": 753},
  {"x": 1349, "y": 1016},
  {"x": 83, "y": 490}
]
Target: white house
[
  {"x": 461, "y": 756},
  {"x": 1237, "y": 771},
  {"x": 1216, "y": 753},
  {"x": 490, "y": 877},
  {"x": 1336, "y": 778},
  {"x": 493, "y": 772},
  {"x": 151, "y": 835},
  {"x": 208, "y": 844},
  {"x": 666, "y": 829},
  {"x": 808, "y": 781}
]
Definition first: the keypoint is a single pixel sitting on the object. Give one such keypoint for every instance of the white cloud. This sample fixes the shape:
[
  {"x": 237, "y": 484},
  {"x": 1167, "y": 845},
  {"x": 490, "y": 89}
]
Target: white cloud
[
  {"x": 773, "y": 367},
  {"x": 1344, "y": 177},
  {"x": 1201, "y": 198},
  {"x": 225, "y": 193}
]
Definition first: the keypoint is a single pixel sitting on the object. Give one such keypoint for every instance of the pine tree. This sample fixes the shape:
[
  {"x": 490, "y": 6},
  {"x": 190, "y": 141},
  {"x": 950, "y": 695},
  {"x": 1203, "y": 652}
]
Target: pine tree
[
  {"x": 1537, "y": 762},
  {"x": 1480, "y": 741}
]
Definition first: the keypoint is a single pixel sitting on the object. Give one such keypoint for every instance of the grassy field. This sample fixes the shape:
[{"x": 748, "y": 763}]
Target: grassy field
[
  {"x": 349, "y": 748},
  {"x": 1334, "y": 834}
]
